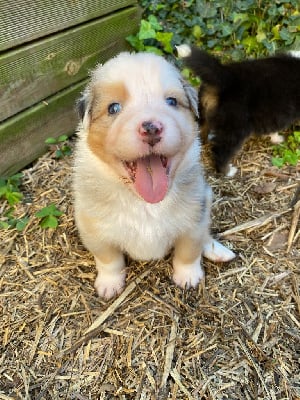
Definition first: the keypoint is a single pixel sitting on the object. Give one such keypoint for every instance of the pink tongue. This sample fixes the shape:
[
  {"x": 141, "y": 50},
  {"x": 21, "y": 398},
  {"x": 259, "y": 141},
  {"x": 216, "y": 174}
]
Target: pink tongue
[{"x": 151, "y": 180}]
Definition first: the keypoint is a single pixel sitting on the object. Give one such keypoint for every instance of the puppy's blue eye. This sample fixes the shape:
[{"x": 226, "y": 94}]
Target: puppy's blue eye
[
  {"x": 171, "y": 101},
  {"x": 114, "y": 108}
]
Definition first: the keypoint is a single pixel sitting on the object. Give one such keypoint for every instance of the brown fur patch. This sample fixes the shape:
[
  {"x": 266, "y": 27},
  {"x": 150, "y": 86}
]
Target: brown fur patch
[
  {"x": 209, "y": 98},
  {"x": 101, "y": 120},
  {"x": 187, "y": 250},
  {"x": 209, "y": 103}
]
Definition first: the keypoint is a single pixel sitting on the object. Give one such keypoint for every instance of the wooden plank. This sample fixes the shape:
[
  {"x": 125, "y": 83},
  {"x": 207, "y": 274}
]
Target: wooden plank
[
  {"x": 35, "y": 71},
  {"x": 22, "y": 21},
  {"x": 22, "y": 138}
]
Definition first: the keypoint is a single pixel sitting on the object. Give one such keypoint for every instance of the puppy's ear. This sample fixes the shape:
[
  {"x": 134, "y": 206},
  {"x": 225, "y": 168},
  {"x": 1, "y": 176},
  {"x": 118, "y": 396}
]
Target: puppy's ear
[
  {"x": 82, "y": 105},
  {"x": 192, "y": 95}
]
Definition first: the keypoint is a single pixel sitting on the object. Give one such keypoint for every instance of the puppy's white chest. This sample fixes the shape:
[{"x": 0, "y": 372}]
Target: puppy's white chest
[{"x": 143, "y": 231}]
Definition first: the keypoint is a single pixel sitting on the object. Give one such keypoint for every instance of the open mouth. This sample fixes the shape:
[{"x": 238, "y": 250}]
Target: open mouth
[{"x": 150, "y": 176}]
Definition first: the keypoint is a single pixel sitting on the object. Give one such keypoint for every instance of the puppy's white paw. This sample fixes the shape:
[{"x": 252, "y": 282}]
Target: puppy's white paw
[
  {"x": 276, "y": 138},
  {"x": 187, "y": 275},
  {"x": 215, "y": 251},
  {"x": 183, "y": 50},
  {"x": 231, "y": 171},
  {"x": 109, "y": 285},
  {"x": 111, "y": 277}
]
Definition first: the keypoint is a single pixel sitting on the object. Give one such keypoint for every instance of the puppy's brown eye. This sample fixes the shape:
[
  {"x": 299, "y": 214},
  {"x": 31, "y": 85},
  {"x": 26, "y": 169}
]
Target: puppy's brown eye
[
  {"x": 171, "y": 101},
  {"x": 114, "y": 108}
]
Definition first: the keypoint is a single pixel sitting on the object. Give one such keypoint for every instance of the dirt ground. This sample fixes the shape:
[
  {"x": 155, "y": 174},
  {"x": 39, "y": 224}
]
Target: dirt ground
[{"x": 235, "y": 337}]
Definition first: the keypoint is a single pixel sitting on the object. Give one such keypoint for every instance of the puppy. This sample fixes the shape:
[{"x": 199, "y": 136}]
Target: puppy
[
  {"x": 243, "y": 98},
  {"x": 138, "y": 183}
]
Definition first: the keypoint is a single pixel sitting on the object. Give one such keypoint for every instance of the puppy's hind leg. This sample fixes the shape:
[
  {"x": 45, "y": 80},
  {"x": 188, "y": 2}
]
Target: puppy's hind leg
[{"x": 215, "y": 251}]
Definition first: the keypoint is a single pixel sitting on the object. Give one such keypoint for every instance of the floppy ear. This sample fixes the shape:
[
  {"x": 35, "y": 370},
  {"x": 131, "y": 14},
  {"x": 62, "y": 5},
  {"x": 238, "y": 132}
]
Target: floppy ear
[
  {"x": 82, "y": 104},
  {"x": 192, "y": 95},
  {"x": 81, "y": 107}
]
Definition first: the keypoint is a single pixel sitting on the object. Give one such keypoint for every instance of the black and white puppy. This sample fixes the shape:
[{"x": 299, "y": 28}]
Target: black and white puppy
[{"x": 238, "y": 99}]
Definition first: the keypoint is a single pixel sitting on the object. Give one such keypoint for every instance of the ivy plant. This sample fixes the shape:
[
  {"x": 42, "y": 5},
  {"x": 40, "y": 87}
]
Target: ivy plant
[{"x": 235, "y": 29}]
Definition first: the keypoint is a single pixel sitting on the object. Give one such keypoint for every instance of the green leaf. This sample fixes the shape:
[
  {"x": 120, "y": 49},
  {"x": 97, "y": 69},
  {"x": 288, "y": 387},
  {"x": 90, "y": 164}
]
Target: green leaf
[
  {"x": 3, "y": 190},
  {"x": 277, "y": 161},
  {"x": 21, "y": 223},
  {"x": 153, "y": 49},
  {"x": 135, "y": 42},
  {"x": 66, "y": 150},
  {"x": 297, "y": 136},
  {"x": 291, "y": 158},
  {"x": 285, "y": 35},
  {"x": 49, "y": 210},
  {"x": 226, "y": 30},
  {"x": 165, "y": 39},
  {"x": 59, "y": 153},
  {"x": 4, "y": 225},
  {"x": 275, "y": 31},
  {"x": 261, "y": 36},
  {"x": 146, "y": 31},
  {"x": 13, "y": 197},
  {"x": 51, "y": 140},
  {"x": 49, "y": 222},
  {"x": 154, "y": 23},
  {"x": 62, "y": 138},
  {"x": 239, "y": 18},
  {"x": 197, "y": 31}
]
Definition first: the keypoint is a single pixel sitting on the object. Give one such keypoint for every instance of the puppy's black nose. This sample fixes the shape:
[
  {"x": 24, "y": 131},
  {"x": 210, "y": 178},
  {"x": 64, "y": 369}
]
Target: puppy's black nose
[{"x": 151, "y": 132}]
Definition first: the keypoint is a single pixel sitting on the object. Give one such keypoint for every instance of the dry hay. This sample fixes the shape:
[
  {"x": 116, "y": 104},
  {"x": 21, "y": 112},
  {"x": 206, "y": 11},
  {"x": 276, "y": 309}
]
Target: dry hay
[{"x": 236, "y": 337}]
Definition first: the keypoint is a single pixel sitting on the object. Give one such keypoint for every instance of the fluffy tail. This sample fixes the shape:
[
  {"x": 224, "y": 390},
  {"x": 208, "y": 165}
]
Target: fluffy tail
[{"x": 207, "y": 67}]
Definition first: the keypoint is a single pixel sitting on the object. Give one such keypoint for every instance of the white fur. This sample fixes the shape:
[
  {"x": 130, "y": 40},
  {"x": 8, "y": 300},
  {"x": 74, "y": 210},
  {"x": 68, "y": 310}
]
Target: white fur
[
  {"x": 111, "y": 277},
  {"x": 215, "y": 251},
  {"x": 187, "y": 275},
  {"x": 232, "y": 170},
  {"x": 276, "y": 138},
  {"x": 183, "y": 50},
  {"x": 111, "y": 217},
  {"x": 295, "y": 53}
]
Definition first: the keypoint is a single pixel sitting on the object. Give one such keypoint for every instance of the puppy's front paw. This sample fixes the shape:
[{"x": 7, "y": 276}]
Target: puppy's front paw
[
  {"x": 187, "y": 275},
  {"x": 109, "y": 285},
  {"x": 276, "y": 138},
  {"x": 111, "y": 277},
  {"x": 215, "y": 251},
  {"x": 231, "y": 171}
]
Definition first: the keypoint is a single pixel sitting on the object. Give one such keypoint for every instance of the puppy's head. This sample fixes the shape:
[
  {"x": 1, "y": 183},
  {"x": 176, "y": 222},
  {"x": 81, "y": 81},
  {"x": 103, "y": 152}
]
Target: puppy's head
[{"x": 138, "y": 116}]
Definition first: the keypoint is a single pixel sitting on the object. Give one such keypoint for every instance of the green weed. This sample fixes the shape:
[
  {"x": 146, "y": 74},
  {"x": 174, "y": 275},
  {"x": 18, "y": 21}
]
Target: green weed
[
  {"x": 49, "y": 216},
  {"x": 287, "y": 152},
  {"x": 10, "y": 191},
  {"x": 59, "y": 146}
]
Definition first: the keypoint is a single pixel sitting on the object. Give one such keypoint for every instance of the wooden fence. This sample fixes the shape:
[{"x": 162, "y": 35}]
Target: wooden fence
[{"x": 47, "y": 48}]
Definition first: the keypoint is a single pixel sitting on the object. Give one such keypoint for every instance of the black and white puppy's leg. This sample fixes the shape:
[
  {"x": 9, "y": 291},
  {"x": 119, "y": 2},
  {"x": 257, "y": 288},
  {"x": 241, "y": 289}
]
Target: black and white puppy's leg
[
  {"x": 276, "y": 138},
  {"x": 224, "y": 146}
]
